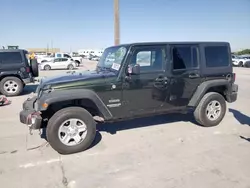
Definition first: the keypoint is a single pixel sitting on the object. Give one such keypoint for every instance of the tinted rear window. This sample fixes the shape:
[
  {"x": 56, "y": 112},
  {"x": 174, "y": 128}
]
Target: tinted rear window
[
  {"x": 217, "y": 56},
  {"x": 10, "y": 57}
]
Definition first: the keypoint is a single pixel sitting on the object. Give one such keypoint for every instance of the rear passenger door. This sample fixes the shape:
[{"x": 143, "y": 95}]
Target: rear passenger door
[{"x": 185, "y": 73}]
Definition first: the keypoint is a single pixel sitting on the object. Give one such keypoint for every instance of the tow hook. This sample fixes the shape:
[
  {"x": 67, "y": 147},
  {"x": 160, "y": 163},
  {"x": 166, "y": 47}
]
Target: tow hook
[
  {"x": 30, "y": 131},
  {"x": 30, "y": 121}
]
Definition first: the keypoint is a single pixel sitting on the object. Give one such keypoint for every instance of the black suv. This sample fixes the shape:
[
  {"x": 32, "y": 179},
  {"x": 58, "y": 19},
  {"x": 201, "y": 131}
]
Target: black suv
[
  {"x": 16, "y": 70},
  {"x": 133, "y": 80}
]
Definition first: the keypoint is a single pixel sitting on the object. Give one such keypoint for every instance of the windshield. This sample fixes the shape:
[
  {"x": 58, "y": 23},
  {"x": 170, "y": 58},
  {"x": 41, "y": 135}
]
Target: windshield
[{"x": 112, "y": 58}]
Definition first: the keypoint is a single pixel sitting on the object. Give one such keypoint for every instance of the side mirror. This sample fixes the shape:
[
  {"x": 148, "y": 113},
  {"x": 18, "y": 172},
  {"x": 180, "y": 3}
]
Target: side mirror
[{"x": 134, "y": 70}]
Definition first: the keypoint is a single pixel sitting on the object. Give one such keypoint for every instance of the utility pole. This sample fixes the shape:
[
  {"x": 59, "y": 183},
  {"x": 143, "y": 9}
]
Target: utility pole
[
  {"x": 52, "y": 49},
  {"x": 116, "y": 22}
]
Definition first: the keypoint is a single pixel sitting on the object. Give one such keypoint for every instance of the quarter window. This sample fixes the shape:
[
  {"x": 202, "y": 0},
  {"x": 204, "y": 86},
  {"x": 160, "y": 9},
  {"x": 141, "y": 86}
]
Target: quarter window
[
  {"x": 217, "y": 56},
  {"x": 10, "y": 57}
]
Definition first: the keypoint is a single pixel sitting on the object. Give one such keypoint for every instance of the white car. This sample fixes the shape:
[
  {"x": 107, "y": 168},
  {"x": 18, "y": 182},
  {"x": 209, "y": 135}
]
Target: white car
[
  {"x": 77, "y": 59},
  {"x": 240, "y": 61},
  {"x": 58, "y": 63}
]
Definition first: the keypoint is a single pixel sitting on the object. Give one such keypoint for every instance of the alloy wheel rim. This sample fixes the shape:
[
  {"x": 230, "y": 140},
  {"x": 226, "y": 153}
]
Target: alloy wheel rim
[
  {"x": 11, "y": 86},
  {"x": 72, "y": 132},
  {"x": 213, "y": 110}
]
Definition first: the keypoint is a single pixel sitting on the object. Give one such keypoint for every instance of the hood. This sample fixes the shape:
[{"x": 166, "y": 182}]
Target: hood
[{"x": 69, "y": 78}]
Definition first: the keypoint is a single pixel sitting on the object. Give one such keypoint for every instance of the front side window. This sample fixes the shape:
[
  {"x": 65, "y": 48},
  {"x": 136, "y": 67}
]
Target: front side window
[
  {"x": 112, "y": 58},
  {"x": 150, "y": 59},
  {"x": 57, "y": 60},
  {"x": 10, "y": 57}
]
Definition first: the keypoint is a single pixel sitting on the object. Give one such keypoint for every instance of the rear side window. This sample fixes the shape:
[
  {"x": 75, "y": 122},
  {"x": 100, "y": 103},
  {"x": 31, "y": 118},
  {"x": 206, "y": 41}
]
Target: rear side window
[
  {"x": 10, "y": 58},
  {"x": 64, "y": 59},
  {"x": 67, "y": 56},
  {"x": 185, "y": 57},
  {"x": 217, "y": 56}
]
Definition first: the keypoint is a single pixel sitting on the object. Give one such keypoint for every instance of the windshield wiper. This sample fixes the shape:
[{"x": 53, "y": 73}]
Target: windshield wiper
[{"x": 104, "y": 68}]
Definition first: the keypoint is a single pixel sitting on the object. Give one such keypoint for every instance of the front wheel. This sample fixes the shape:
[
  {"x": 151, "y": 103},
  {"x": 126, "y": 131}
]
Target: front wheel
[
  {"x": 240, "y": 64},
  {"x": 77, "y": 63},
  {"x": 211, "y": 109},
  {"x": 70, "y": 67},
  {"x": 71, "y": 130}
]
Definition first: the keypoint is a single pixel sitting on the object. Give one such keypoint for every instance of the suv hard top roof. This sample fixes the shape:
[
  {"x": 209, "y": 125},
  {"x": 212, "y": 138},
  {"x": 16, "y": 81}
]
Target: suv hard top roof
[
  {"x": 215, "y": 43},
  {"x": 12, "y": 50}
]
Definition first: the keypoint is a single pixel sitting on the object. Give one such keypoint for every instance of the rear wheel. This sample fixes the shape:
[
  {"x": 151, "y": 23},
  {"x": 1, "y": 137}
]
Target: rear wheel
[
  {"x": 71, "y": 130},
  {"x": 11, "y": 86},
  {"x": 47, "y": 67},
  {"x": 211, "y": 109},
  {"x": 240, "y": 64}
]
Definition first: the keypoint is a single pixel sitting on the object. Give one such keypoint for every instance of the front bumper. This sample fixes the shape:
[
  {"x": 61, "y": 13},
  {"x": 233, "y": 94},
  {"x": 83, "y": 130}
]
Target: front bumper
[
  {"x": 29, "y": 116},
  {"x": 232, "y": 95}
]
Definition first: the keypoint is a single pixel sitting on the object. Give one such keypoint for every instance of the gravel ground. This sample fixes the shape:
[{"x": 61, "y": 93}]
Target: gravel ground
[{"x": 163, "y": 151}]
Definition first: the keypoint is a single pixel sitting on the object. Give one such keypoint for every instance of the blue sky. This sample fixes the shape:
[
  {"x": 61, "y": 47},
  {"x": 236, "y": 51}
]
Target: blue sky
[{"x": 74, "y": 24}]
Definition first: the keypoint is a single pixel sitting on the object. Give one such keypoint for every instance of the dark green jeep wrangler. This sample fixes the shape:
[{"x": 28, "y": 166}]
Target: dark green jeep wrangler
[{"x": 130, "y": 81}]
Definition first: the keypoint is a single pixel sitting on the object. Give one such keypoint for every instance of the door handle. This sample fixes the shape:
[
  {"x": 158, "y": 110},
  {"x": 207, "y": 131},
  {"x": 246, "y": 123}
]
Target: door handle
[
  {"x": 162, "y": 80},
  {"x": 159, "y": 79},
  {"x": 194, "y": 75}
]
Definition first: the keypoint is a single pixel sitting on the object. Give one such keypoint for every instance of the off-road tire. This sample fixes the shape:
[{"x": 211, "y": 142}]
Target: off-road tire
[
  {"x": 34, "y": 67},
  {"x": 47, "y": 67},
  {"x": 200, "y": 111},
  {"x": 17, "y": 81},
  {"x": 62, "y": 115}
]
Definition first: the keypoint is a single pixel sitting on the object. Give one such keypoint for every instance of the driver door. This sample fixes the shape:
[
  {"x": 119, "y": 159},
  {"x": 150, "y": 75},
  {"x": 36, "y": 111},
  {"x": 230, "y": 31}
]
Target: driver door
[
  {"x": 146, "y": 93},
  {"x": 57, "y": 63}
]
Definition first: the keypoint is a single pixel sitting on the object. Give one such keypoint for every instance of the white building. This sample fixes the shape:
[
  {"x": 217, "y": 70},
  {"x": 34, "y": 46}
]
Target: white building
[{"x": 86, "y": 52}]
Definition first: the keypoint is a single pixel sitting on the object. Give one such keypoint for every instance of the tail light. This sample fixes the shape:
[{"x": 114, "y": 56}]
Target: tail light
[
  {"x": 27, "y": 69},
  {"x": 234, "y": 77}
]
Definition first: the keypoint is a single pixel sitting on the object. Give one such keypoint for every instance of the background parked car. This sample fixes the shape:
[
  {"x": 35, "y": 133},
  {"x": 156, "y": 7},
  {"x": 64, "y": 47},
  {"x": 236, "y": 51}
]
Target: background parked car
[
  {"x": 240, "y": 61},
  {"x": 58, "y": 63},
  {"x": 16, "y": 70},
  {"x": 77, "y": 59}
]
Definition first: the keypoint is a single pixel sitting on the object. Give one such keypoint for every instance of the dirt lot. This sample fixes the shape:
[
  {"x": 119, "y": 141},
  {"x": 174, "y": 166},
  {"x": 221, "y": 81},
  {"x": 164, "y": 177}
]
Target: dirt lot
[{"x": 164, "y": 151}]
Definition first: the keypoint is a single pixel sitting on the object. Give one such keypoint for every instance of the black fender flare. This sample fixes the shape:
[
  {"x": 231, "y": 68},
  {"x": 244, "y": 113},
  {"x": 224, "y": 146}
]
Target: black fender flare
[
  {"x": 203, "y": 88},
  {"x": 73, "y": 94},
  {"x": 9, "y": 73}
]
